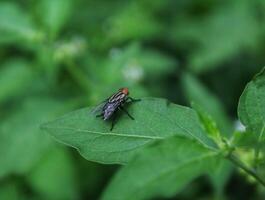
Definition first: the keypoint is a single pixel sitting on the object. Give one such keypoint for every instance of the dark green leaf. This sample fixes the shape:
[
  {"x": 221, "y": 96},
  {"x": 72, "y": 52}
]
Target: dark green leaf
[
  {"x": 16, "y": 25},
  {"x": 14, "y": 189},
  {"x": 55, "y": 176},
  {"x": 161, "y": 170},
  {"x": 9, "y": 191},
  {"x": 209, "y": 124},
  {"x": 132, "y": 22},
  {"x": 220, "y": 175},
  {"x": 251, "y": 109},
  {"x": 134, "y": 64},
  {"x": 22, "y": 144},
  {"x": 215, "y": 40},
  {"x": 15, "y": 78},
  {"x": 196, "y": 92},
  {"x": 244, "y": 140},
  {"x": 155, "y": 119},
  {"x": 56, "y": 14}
]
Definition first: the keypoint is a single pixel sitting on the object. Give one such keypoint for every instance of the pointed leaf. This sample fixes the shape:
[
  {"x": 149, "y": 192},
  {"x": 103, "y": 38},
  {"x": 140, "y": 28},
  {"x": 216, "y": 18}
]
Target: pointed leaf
[
  {"x": 16, "y": 25},
  {"x": 21, "y": 143},
  {"x": 55, "y": 176},
  {"x": 161, "y": 170},
  {"x": 196, "y": 92},
  {"x": 155, "y": 119},
  {"x": 56, "y": 14},
  {"x": 220, "y": 175},
  {"x": 18, "y": 70},
  {"x": 216, "y": 40},
  {"x": 251, "y": 109}
]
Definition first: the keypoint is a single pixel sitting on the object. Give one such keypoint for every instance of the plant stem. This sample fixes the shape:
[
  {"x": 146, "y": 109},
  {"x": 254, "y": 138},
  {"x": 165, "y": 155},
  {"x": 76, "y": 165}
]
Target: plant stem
[
  {"x": 78, "y": 75},
  {"x": 248, "y": 170},
  {"x": 256, "y": 156},
  {"x": 257, "y": 149}
]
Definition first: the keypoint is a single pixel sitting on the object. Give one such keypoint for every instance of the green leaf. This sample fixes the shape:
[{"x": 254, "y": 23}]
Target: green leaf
[
  {"x": 16, "y": 25},
  {"x": 21, "y": 142},
  {"x": 215, "y": 40},
  {"x": 220, "y": 175},
  {"x": 132, "y": 22},
  {"x": 261, "y": 165},
  {"x": 155, "y": 119},
  {"x": 55, "y": 176},
  {"x": 134, "y": 64},
  {"x": 161, "y": 170},
  {"x": 244, "y": 139},
  {"x": 56, "y": 14},
  {"x": 196, "y": 92},
  {"x": 130, "y": 65},
  {"x": 14, "y": 189},
  {"x": 209, "y": 124},
  {"x": 9, "y": 191},
  {"x": 251, "y": 108},
  {"x": 18, "y": 70}
]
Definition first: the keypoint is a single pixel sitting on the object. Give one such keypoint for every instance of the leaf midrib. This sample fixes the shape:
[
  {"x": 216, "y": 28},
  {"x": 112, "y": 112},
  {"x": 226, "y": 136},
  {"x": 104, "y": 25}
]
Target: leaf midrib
[
  {"x": 262, "y": 132},
  {"x": 184, "y": 129},
  {"x": 106, "y": 133}
]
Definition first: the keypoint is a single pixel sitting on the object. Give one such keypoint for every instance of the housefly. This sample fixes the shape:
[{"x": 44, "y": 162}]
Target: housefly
[{"x": 114, "y": 103}]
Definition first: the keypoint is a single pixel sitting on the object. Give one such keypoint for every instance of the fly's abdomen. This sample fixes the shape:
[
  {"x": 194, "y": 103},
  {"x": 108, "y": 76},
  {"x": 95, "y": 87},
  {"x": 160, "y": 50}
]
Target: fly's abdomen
[{"x": 108, "y": 111}]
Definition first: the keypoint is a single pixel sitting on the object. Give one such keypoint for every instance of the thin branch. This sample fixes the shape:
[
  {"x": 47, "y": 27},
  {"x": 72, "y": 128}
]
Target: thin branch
[
  {"x": 78, "y": 75},
  {"x": 248, "y": 170}
]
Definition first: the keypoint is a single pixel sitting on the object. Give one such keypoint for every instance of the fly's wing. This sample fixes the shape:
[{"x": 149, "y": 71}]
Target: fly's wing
[
  {"x": 110, "y": 109},
  {"x": 116, "y": 104},
  {"x": 113, "y": 101},
  {"x": 98, "y": 108}
]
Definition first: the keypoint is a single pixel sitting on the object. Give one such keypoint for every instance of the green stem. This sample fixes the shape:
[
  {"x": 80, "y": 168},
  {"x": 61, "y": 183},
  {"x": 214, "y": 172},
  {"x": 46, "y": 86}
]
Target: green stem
[
  {"x": 256, "y": 156},
  {"x": 257, "y": 149},
  {"x": 78, "y": 75},
  {"x": 248, "y": 170}
]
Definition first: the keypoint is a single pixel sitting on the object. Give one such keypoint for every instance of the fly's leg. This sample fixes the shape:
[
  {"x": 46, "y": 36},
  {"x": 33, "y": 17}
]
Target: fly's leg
[
  {"x": 124, "y": 110},
  {"x": 100, "y": 115},
  {"x": 113, "y": 122},
  {"x": 132, "y": 99}
]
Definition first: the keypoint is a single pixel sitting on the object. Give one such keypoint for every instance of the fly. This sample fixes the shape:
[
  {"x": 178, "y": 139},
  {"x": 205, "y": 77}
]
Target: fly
[{"x": 114, "y": 103}]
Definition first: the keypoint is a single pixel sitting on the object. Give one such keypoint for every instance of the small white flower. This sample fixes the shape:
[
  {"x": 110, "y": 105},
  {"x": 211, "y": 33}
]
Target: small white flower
[
  {"x": 133, "y": 72},
  {"x": 72, "y": 48},
  {"x": 115, "y": 53},
  {"x": 239, "y": 126}
]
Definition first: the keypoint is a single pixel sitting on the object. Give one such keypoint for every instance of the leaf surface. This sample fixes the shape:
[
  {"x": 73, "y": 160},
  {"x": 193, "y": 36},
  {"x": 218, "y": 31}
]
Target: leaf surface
[
  {"x": 196, "y": 92},
  {"x": 22, "y": 144},
  {"x": 55, "y": 176},
  {"x": 18, "y": 70},
  {"x": 15, "y": 24},
  {"x": 251, "y": 109},
  {"x": 56, "y": 14},
  {"x": 213, "y": 39},
  {"x": 155, "y": 119},
  {"x": 161, "y": 170}
]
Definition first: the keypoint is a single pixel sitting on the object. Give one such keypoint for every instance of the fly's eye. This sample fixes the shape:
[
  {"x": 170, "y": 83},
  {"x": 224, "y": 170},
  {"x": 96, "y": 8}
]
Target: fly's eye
[{"x": 125, "y": 91}]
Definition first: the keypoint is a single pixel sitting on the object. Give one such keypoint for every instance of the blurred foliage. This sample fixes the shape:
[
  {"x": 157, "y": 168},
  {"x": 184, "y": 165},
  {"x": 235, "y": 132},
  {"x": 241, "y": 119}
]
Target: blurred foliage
[{"x": 59, "y": 55}]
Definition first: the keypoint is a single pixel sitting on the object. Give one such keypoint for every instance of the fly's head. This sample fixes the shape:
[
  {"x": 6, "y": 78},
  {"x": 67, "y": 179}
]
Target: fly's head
[{"x": 125, "y": 91}]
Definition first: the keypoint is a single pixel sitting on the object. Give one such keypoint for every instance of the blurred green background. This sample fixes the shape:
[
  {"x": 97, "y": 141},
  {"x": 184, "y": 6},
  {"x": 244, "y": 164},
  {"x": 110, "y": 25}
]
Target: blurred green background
[{"x": 60, "y": 55}]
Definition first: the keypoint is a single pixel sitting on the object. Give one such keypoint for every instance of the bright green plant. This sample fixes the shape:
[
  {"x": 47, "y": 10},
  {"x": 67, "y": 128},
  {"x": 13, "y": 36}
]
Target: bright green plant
[
  {"x": 167, "y": 145},
  {"x": 61, "y": 55}
]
